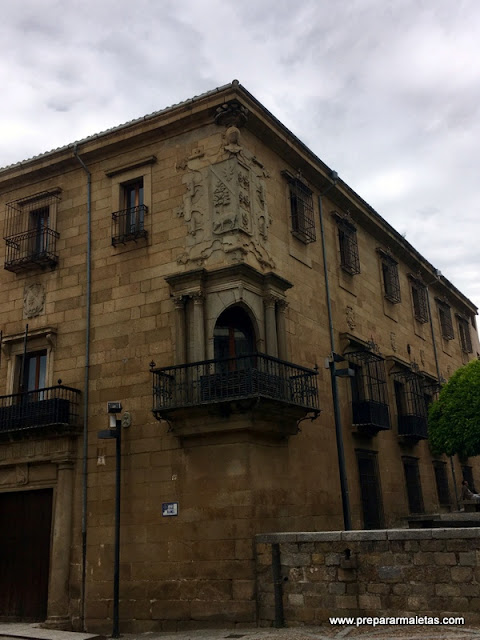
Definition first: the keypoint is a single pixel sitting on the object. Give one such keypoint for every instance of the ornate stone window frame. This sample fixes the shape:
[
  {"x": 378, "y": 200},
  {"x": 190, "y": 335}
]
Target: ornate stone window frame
[{"x": 200, "y": 296}]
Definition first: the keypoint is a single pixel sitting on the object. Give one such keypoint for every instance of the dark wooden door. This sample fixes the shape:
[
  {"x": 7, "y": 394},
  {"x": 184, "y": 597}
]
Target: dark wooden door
[{"x": 25, "y": 526}]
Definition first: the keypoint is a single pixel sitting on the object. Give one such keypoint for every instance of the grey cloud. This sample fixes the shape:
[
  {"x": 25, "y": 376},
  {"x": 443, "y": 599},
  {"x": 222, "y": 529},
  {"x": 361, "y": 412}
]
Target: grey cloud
[{"x": 385, "y": 93}]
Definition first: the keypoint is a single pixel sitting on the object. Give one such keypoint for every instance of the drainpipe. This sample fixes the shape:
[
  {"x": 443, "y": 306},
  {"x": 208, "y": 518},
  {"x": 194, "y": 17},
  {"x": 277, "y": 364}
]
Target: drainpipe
[
  {"x": 86, "y": 384},
  {"x": 336, "y": 406},
  {"x": 439, "y": 378}
]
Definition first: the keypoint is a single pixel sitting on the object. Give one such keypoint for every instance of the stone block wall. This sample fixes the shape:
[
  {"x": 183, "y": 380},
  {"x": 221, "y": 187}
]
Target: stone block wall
[{"x": 396, "y": 572}]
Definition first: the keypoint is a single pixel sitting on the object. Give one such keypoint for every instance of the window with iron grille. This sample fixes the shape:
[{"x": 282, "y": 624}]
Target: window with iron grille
[
  {"x": 370, "y": 490},
  {"x": 419, "y": 300},
  {"x": 413, "y": 484},
  {"x": 347, "y": 237},
  {"x": 30, "y": 234},
  {"x": 464, "y": 333},
  {"x": 441, "y": 480},
  {"x": 411, "y": 396},
  {"x": 445, "y": 316},
  {"x": 129, "y": 223},
  {"x": 369, "y": 390},
  {"x": 301, "y": 209},
  {"x": 391, "y": 283},
  {"x": 467, "y": 474}
]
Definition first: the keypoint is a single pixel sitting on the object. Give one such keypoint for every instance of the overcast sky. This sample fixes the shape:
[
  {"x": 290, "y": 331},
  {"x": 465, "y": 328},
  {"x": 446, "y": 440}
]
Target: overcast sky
[{"x": 385, "y": 93}]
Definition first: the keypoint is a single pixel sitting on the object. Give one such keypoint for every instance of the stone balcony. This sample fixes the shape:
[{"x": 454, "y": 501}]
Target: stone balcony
[{"x": 254, "y": 394}]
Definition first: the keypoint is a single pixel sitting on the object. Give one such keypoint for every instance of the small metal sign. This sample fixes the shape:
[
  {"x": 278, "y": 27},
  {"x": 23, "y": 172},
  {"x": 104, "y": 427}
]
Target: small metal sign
[{"x": 169, "y": 509}]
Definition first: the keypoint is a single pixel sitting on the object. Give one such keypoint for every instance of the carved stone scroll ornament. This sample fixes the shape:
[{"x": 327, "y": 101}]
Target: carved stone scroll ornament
[
  {"x": 14, "y": 476},
  {"x": 231, "y": 114},
  {"x": 350, "y": 315},
  {"x": 33, "y": 300},
  {"x": 225, "y": 208},
  {"x": 393, "y": 341},
  {"x": 192, "y": 210}
]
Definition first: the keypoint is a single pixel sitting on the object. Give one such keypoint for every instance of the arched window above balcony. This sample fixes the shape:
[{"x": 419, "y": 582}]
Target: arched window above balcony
[{"x": 234, "y": 335}]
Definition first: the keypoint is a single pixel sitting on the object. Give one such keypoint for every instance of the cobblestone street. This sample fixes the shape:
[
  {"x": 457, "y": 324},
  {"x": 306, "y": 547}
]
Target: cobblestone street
[{"x": 14, "y": 631}]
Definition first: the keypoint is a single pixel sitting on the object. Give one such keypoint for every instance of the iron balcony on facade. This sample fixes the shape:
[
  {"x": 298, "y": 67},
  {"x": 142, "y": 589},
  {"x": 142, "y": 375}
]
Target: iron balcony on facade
[
  {"x": 30, "y": 235},
  {"x": 129, "y": 225},
  {"x": 254, "y": 393},
  {"x": 370, "y": 412},
  {"x": 47, "y": 411},
  {"x": 33, "y": 248}
]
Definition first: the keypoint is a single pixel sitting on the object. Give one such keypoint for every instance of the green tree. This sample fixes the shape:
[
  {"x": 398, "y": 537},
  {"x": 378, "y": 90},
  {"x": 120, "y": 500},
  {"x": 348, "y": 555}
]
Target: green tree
[{"x": 454, "y": 419}]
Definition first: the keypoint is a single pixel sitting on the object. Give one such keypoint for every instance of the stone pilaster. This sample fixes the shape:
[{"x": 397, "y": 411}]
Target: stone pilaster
[
  {"x": 282, "y": 330},
  {"x": 58, "y": 591},
  {"x": 271, "y": 326},
  {"x": 180, "y": 331},
  {"x": 198, "y": 326}
]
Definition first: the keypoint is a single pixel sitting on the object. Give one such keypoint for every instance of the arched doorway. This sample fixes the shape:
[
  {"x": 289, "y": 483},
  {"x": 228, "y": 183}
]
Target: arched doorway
[{"x": 234, "y": 337}]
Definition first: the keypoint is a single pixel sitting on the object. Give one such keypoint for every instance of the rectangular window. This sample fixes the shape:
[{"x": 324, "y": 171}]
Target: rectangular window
[
  {"x": 39, "y": 226},
  {"x": 446, "y": 324},
  {"x": 441, "y": 480},
  {"x": 35, "y": 371},
  {"x": 391, "y": 283},
  {"x": 301, "y": 208},
  {"x": 31, "y": 374},
  {"x": 419, "y": 299},
  {"x": 129, "y": 223},
  {"x": 413, "y": 485},
  {"x": 347, "y": 237},
  {"x": 464, "y": 333},
  {"x": 370, "y": 491}
]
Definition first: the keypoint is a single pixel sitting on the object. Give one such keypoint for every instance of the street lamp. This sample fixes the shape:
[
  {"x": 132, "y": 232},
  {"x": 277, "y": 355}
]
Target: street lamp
[{"x": 115, "y": 431}]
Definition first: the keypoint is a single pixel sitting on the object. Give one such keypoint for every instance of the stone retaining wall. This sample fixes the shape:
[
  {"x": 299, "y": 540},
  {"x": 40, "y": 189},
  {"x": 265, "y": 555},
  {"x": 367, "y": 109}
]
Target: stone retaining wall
[{"x": 397, "y": 572}]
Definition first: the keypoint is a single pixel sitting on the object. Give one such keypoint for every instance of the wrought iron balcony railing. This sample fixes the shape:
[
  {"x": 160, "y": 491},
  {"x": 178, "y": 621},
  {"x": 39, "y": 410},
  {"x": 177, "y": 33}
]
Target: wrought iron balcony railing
[
  {"x": 31, "y": 248},
  {"x": 51, "y": 407},
  {"x": 129, "y": 224},
  {"x": 373, "y": 416},
  {"x": 222, "y": 380},
  {"x": 413, "y": 426}
]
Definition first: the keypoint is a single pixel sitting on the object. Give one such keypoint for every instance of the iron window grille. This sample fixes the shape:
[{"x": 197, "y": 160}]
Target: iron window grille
[
  {"x": 413, "y": 484},
  {"x": 347, "y": 237},
  {"x": 301, "y": 209},
  {"x": 30, "y": 236},
  {"x": 370, "y": 490},
  {"x": 464, "y": 333},
  {"x": 370, "y": 410},
  {"x": 441, "y": 480},
  {"x": 411, "y": 396},
  {"x": 446, "y": 324},
  {"x": 391, "y": 283},
  {"x": 419, "y": 300}
]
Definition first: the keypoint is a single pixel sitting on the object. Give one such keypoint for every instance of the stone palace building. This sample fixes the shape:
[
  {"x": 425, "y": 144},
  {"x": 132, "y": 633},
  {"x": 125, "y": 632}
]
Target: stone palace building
[{"x": 274, "y": 344}]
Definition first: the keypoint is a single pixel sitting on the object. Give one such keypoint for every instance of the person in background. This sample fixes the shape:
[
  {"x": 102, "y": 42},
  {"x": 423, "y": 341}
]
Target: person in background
[{"x": 467, "y": 494}]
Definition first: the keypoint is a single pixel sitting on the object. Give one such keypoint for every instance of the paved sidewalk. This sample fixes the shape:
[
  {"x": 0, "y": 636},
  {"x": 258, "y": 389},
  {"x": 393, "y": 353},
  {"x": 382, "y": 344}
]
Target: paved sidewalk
[{"x": 10, "y": 631}]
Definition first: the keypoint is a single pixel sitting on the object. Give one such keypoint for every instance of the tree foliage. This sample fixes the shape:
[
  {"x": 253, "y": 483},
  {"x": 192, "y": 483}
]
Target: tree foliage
[{"x": 454, "y": 419}]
